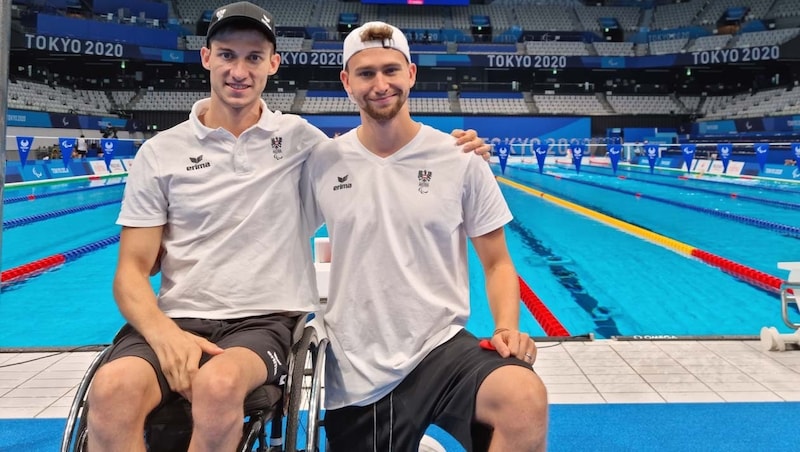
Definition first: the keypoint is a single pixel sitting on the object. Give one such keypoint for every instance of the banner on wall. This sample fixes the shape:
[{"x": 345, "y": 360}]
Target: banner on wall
[
  {"x": 108, "y": 145},
  {"x": 796, "y": 153},
  {"x": 503, "y": 149},
  {"x": 688, "y": 151},
  {"x": 761, "y": 154},
  {"x": 577, "y": 155},
  {"x": 24, "y": 145},
  {"x": 614, "y": 152},
  {"x": 66, "y": 145},
  {"x": 57, "y": 171},
  {"x": 724, "y": 151},
  {"x": 540, "y": 151},
  {"x": 651, "y": 151}
]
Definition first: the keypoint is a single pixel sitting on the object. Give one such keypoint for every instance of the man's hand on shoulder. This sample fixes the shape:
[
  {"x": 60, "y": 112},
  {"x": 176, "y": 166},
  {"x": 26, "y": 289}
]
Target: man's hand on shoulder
[{"x": 471, "y": 142}]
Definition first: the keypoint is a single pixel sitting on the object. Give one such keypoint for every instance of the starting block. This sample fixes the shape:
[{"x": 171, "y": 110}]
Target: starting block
[{"x": 771, "y": 339}]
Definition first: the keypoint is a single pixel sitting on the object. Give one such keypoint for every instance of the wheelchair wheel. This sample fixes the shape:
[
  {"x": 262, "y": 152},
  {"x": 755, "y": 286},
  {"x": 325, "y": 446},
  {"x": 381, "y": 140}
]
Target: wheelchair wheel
[
  {"x": 75, "y": 434},
  {"x": 302, "y": 424},
  {"x": 82, "y": 436}
]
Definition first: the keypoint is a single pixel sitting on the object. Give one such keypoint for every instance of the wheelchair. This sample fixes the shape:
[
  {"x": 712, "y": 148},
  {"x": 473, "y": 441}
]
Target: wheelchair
[{"x": 169, "y": 427}]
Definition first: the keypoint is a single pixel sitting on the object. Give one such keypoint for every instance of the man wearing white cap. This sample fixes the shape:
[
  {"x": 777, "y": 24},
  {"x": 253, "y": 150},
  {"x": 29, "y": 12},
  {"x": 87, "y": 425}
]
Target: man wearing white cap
[
  {"x": 213, "y": 201},
  {"x": 399, "y": 205}
]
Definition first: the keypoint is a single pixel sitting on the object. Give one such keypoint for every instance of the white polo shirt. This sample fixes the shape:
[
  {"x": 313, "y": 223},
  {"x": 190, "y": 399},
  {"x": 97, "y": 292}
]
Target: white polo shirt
[{"x": 235, "y": 244}]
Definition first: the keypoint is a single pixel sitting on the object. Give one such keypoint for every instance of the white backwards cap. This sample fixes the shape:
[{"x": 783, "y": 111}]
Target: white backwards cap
[{"x": 353, "y": 43}]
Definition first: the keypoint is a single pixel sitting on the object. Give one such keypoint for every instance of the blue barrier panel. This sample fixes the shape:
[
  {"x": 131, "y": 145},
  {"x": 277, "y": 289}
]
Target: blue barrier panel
[
  {"x": 13, "y": 172},
  {"x": 108, "y": 32},
  {"x": 22, "y": 118},
  {"x": 57, "y": 170}
]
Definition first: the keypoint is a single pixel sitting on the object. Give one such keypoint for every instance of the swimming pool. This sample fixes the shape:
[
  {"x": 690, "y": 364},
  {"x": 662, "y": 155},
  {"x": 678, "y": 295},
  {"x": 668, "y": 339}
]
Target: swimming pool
[{"x": 594, "y": 278}]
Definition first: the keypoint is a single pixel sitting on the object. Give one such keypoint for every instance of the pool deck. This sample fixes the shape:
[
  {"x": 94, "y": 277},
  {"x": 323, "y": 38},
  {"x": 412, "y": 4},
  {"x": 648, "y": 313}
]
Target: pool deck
[{"x": 42, "y": 384}]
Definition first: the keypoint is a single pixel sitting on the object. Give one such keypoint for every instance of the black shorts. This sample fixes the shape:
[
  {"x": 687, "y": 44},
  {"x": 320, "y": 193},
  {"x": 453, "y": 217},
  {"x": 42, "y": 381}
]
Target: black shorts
[
  {"x": 269, "y": 336},
  {"x": 441, "y": 390}
]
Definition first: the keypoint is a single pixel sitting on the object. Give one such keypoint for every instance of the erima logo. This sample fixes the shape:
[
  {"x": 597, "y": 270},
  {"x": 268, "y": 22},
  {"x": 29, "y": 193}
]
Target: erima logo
[
  {"x": 197, "y": 165},
  {"x": 221, "y": 14},
  {"x": 342, "y": 183},
  {"x": 265, "y": 19},
  {"x": 276, "y": 362}
]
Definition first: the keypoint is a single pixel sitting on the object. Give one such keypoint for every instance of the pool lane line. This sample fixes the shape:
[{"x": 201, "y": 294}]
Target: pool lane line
[
  {"x": 774, "y": 202},
  {"x": 644, "y": 169},
  {"x": 33, "y": 197},
  {"x": 792, "y": 231},
  {"x": 37, "y": 267},
  {"x": 61, "y": 180},
  {"x": 30, "y": 219},
  {"x": 747, "y": 274},
  {"x": 550, "y": 324}
]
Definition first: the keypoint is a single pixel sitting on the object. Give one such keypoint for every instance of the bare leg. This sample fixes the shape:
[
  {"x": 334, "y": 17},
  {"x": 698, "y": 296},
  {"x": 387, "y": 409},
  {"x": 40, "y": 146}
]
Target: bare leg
[
  {"x": 123, "y": 393},
  {"x": 513, "y": 401},
  {"x": 218, "y": 393}
]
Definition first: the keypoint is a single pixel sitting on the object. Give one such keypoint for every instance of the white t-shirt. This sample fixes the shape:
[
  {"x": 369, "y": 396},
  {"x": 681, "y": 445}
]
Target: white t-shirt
[
  {"x": 234, "y": 239},
  {"x": 399, "y": 280}
]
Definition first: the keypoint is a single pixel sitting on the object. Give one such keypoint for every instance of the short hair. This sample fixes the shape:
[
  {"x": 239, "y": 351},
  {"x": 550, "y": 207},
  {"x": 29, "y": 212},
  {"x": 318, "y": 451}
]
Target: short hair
[{"x": 377, "y": 33}]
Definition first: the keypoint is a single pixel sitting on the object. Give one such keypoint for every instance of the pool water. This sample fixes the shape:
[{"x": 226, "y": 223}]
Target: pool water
[{"x": 594, "y": 278}]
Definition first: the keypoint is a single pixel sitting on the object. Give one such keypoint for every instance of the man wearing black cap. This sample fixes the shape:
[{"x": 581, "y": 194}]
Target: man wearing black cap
[{"x": 213, "y": 201}]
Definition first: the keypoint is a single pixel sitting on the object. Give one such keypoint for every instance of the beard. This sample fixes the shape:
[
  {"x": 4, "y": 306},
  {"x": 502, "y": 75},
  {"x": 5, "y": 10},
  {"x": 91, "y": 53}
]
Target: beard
[{"x": 385, "y": 113}]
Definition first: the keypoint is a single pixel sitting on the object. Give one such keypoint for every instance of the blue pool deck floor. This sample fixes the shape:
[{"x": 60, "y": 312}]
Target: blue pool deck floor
[{"x": 43, "y": 384}]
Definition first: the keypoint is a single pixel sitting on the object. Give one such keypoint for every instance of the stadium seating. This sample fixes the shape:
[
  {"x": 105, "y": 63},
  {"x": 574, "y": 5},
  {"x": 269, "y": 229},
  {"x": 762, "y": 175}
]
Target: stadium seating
[
  {"x": 29, "y": 95},
  {"x": 506, "y": 16},
  {"x": 668, "y": 46},
  {"x": 771, "y": 102},
  {"x": 570, "y": 105},
  {"x": 636, "y": 105},
  {"x": 482, "y": 103},
  {"x": 183, "y": 100},
  {"x": 676, "y": 15}
]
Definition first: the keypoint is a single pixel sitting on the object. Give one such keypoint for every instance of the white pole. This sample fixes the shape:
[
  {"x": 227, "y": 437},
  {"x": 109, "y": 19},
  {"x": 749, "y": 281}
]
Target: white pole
[{"x": 5, "y": 37}]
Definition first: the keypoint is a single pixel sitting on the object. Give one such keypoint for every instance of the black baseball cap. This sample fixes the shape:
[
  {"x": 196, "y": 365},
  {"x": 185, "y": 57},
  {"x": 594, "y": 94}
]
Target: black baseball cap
[{"x": 245, "y": 13}]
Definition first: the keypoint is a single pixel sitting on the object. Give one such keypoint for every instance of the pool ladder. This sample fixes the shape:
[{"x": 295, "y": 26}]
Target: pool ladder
[{"x": 771, "y": 339}]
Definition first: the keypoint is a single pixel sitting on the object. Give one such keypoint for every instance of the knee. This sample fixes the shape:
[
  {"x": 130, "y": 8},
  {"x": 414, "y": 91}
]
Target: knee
[
  {"x": 533, "y": 395},
  {"x": 522, "y": 421},
  {"x": 113, "y": 387},
  {"x": 216, "y": 391},
  {"x": 527, "y": 399},
  {"x": 515, "y": 398}
]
